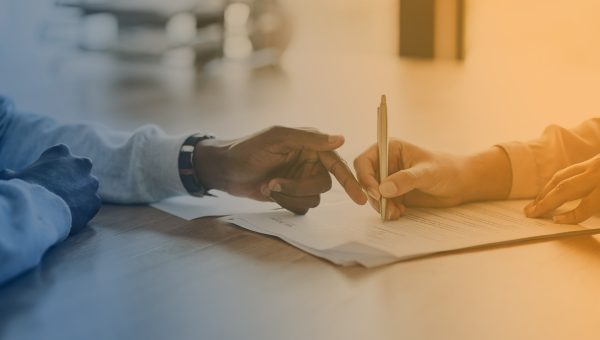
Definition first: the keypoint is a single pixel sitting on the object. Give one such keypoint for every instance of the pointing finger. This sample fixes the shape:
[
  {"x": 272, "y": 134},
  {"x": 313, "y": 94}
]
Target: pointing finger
[
  {"x": 565, "y": 191},
  {"x": 366, "y": 168},
  {"x": 338, "y": 167},
  {"x": 559, "y": 177}
]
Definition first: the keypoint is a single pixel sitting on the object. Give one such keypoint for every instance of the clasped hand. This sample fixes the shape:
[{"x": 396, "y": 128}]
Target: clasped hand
[{"x": 68, "y": 177}]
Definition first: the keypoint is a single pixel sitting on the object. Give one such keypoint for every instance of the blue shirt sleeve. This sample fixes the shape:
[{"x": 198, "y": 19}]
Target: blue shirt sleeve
[
  {"x": 138, "y": 167},
  {"x": 33, "y": 219}
]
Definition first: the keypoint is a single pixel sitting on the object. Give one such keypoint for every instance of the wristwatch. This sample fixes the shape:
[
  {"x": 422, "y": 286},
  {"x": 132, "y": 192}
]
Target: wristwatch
[{"x": 187, "y": 174}]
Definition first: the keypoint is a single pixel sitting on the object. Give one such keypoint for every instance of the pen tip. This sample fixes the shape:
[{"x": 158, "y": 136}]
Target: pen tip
[{"x": 383, "y": 99}]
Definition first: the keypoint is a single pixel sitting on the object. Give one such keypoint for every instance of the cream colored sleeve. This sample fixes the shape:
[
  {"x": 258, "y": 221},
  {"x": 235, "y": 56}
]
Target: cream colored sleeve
[{"x": 533, "y": 163}]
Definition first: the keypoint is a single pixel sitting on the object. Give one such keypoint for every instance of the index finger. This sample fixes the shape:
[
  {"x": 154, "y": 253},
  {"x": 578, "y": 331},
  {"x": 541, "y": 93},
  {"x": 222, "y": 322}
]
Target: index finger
[
  {"x": 563, "y": 192},
  {"x": 367, "y": 168},
  {"x": 340, "y": 170}
]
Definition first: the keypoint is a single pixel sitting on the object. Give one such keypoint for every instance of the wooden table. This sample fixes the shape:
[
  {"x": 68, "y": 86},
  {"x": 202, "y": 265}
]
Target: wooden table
[{"x": 138, "y": 273}]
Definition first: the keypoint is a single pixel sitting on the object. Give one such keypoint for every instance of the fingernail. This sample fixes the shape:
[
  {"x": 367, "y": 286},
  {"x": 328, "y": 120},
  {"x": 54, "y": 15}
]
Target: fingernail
[
  {"x": 388, "y": 189},
  {"x": 373, "y": 193},
  {"x": 265, "y": 190},
  {"x": 388, "y": 214},
  {"x": 275, "y": 187},
  {"x": 530, "y": 209},
  {"x": 336, "y": 139}
]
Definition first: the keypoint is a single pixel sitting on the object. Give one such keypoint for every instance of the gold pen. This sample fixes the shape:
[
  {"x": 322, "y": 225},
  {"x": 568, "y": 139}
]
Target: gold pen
[{"x": 382, "y": 144}]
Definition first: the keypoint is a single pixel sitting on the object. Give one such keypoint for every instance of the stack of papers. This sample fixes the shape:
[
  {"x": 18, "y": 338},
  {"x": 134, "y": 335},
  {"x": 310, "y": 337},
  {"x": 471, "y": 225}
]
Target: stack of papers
[{"x": 346, "y": 234}]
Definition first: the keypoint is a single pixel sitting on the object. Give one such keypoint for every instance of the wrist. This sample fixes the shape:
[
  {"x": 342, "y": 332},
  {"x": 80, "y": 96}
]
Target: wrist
[
  {"x": 488, "y": 176},
  {"x": 210, "y": 164}
]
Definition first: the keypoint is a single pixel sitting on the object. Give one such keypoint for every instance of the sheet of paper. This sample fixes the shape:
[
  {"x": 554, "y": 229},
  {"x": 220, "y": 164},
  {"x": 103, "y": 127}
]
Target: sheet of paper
[
  {"x": 189, "y": 207},
  {"x": 346, "y": 234}
]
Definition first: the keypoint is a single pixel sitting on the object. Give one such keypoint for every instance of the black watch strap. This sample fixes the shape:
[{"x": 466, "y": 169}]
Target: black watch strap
[{"x": 186, "y": 165}]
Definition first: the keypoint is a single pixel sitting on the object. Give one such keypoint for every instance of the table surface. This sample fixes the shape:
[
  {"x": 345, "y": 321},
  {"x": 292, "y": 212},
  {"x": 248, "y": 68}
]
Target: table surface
[{"x": 140, "y": 273}]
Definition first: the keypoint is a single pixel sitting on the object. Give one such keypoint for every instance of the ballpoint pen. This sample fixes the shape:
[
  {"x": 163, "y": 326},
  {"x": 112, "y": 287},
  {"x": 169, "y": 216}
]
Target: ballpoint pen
[{"x": 382, "y": 144}]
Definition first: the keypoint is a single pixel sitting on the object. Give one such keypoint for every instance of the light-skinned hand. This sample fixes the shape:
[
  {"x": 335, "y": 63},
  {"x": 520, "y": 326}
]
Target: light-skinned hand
[
  {"x": 579, "y": 181},
  {"x": 423, "y": 178}
]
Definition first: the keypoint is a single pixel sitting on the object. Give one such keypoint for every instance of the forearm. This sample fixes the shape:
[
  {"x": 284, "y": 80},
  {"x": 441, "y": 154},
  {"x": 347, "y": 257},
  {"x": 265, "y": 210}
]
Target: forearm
[
  {"x": 132, "y": 168},
  {"x": 533, "y": 163},
  {"x": 33, "y": 219},
  {"x": 487, "y": 175}
]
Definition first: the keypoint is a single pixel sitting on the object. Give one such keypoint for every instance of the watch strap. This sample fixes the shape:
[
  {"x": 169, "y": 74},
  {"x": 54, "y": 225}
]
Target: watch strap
[{"x": 190, "y": 182}]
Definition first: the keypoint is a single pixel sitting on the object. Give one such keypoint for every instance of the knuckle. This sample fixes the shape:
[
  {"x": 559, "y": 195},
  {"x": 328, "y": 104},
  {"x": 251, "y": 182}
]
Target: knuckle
[
  {"x": 541, "y": 204},
  {"x": 301, "y": 211},
  {"x": 328, "y": 184},
  {"x": 555, "y": 179},
  {"x": 61, "y": 148},
  {"x": 395, "y": 143},
  {"x": 578, "y": 215},
  {"x": 315, "y": 202},
  {"x": 277, "y": 129},
  {"x": 95, "y": 183},
  {"x": 86, "y": 162}
]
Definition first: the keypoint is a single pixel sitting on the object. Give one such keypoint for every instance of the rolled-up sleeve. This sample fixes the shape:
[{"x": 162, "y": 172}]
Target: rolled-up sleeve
[{"x": 533, "y": 163}]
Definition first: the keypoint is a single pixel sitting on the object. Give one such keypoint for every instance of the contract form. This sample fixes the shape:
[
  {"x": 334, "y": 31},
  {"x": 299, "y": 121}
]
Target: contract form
[
  {"x": 347, "y": 234},
  {"x": 220, "y": 204}
]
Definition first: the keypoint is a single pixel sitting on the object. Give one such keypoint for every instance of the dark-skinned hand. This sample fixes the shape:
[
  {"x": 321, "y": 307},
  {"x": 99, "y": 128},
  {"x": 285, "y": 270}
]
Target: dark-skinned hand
[{"x": 288, "y": 166}]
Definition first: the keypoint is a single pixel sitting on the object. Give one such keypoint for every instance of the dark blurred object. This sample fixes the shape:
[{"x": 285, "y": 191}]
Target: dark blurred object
[
  {"x": 201, "y": 30},
  {"x": 432, "y": 29},
  {"x": 416, "y": 28}
]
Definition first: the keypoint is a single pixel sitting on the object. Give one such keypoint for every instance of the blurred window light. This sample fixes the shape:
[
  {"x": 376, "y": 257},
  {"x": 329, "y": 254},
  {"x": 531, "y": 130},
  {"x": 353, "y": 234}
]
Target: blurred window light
[
  {"x": 99, "y": 31},
  {"x": 237, "y": 47},
  {"x": 237, "y": 43},
  {"x": 268, "y": 23},
  {"x": 181, "y": 28},
  {"x": 236, "y": 17}
]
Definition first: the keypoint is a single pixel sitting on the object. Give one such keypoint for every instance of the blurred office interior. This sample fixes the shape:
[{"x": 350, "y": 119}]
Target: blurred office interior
[{"x": 233, "y": 67}]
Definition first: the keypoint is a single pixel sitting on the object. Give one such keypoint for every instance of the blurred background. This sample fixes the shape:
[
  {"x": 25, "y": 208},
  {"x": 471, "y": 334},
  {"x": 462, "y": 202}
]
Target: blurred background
[{"x": 459, "y": 74}]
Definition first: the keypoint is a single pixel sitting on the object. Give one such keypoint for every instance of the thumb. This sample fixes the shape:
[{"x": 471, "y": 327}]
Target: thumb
[{"x": 403, "y": 181}]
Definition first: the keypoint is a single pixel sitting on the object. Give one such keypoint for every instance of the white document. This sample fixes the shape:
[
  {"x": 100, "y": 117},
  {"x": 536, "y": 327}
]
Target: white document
[
  {"x": 189, "y": 207},
  {"x": 347, "y": 234}
]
